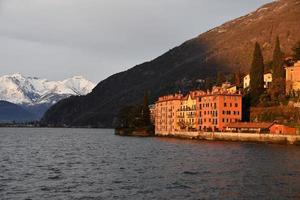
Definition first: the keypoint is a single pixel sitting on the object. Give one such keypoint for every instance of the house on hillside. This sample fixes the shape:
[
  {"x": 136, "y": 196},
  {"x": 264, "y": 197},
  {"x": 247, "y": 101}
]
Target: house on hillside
[
  {"x": 268, "y": 78},
  {"x": 293, "y": 78}
]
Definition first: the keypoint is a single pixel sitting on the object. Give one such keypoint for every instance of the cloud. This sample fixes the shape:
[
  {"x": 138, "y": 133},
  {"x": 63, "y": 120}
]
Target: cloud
[{"x": 102, "y": 37}]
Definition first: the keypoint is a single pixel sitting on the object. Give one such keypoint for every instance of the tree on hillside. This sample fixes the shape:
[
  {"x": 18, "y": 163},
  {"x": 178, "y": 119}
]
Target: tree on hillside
[
  {"x": 277, "y": 88},
  {"x": 220, "y": 78},
  {"x": 256, "y": 75},
  {"x": 296, "y": 50},
  {"x": 278, "y": 60},
  {"x": 238, "y": 78},
  {"x": 146, "y": 111}
]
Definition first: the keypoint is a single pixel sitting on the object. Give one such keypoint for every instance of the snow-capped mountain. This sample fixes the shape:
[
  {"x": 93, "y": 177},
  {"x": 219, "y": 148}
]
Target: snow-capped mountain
[{"x": 23, "y": 90}]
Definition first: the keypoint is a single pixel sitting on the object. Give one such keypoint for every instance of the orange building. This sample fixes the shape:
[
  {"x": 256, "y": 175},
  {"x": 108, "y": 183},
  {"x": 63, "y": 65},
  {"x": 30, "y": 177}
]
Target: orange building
[
  {"x": 217, "y": 110},
  {"x": 197, "y": 111},
  {"x": 166, "y": 108}
]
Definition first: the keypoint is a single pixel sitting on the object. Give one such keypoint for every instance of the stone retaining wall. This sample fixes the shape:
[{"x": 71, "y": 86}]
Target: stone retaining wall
[{"x": 237, "y": 137}]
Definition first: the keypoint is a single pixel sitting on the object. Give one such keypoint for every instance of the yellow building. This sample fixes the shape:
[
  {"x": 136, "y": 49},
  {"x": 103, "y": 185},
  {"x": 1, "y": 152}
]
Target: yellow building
[
  {"x": 187, "y": 113},
  {"x": 293, "y": 78},
  {"x": 268, "y": 78}
]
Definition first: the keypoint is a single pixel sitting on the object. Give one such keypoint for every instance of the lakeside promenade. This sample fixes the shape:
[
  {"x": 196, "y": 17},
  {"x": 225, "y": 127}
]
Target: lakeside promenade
[{"x": 235, "y": 137}]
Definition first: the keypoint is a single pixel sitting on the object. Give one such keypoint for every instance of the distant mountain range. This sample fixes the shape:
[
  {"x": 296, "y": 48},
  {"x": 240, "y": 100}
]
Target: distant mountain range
[
  {"x": 35, "y": 95},
  {"x": 227, "y": 48}
]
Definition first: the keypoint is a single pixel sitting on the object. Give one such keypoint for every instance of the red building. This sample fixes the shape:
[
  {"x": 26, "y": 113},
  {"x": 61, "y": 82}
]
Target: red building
[
  {"x": 217, "y": 110},
  {"x": 282, "y": 130}
]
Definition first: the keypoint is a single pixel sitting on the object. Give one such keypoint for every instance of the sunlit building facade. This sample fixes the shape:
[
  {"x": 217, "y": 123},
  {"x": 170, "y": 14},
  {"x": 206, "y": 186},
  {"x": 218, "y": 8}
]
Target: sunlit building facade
[
  {"x": 293, "y": 78},
  {"x": 197, "y": 111},
  {"x": 166, "y": 108}
]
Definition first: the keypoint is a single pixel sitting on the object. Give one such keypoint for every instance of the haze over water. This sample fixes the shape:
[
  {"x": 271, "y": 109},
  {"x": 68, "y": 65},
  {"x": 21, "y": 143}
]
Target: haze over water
[{"x": 96, "y": 164}]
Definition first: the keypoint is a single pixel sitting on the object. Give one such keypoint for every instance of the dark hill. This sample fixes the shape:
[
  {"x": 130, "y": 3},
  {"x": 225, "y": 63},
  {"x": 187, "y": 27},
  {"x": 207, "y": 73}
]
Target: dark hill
[
  {"x": 10, "y": 112},
  {"x": 226, "y": 48}
]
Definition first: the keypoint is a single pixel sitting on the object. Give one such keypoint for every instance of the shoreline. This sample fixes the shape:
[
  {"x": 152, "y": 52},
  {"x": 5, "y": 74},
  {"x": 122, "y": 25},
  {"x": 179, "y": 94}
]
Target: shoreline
[{"x": 235, "y": 137}]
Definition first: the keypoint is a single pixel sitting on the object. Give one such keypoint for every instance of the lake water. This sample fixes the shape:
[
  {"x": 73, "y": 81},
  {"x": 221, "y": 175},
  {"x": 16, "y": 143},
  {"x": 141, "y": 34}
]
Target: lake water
[{"x": 95, "y": 164}]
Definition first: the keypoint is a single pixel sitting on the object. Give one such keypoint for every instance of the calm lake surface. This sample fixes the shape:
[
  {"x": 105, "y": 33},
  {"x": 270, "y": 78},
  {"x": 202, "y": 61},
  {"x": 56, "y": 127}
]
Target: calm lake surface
[{"x": 96, "y": 164}]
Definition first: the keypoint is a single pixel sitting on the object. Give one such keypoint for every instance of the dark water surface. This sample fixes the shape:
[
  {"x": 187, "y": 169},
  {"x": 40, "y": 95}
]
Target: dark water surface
[{"x": 95, "y": 164}]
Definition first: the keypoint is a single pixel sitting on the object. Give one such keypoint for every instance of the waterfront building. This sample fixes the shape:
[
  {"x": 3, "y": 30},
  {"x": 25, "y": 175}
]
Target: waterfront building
[
  {"x": 187, "y": 113},
  {"x": 293, "y": 78},
  {"x": 282, "y": 130},
  {"x": 218, "y": 109},
  {"x": 198, "y": 110},
  {"x": 268, "y": 78},
  {"x": 261, "y": 127},
  {"x": 166, "y": 108}
]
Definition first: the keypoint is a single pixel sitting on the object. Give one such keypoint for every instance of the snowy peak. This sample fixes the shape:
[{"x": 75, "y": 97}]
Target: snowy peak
[
  {"x": 79, "y": 85},
  {"x": 19, "y": 89}
]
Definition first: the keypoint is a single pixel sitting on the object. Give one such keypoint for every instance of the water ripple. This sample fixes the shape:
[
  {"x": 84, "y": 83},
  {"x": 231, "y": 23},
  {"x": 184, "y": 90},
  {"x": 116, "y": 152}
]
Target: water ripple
[{"x": 85, "y": 164}]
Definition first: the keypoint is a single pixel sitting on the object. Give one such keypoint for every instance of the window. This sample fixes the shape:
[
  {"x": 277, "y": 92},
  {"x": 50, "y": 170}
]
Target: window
[{"x": 225, "y": 104}]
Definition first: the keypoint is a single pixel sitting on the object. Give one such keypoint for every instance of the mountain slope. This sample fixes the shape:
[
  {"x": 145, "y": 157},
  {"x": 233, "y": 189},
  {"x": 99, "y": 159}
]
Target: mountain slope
[
  {"x": 11, "y": 112},
  {"x": 226, "y": 48}
]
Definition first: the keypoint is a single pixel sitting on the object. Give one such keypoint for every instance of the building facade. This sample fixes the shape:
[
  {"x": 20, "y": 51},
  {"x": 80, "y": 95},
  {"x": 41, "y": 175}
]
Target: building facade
[
  {"x": 268, "y": 78},
  {"x": 293, "y": 78},
  {"x": 197, "y": 111},
  {"x": 187, "y": 113},
  {"x": 217, "y": 110},
  {"x": 166, "y": 108}
]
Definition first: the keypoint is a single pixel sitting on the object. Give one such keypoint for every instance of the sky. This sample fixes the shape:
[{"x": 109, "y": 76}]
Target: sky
[{"x": 58, "y": 39}]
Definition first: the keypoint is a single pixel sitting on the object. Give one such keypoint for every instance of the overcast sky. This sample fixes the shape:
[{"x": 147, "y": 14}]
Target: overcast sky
[{"x": 57, "y": 39}]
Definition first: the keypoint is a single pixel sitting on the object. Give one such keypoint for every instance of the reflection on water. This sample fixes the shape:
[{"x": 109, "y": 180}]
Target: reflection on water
[{"x": 96, "y": 164}]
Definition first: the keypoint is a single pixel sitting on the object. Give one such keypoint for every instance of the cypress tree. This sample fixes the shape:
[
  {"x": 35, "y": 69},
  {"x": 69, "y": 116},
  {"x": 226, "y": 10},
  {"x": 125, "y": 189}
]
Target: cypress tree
[
  {"x": 278, "y": 84},
  {"x": 256, "y": 75},
  {"x": 278, "y": 60},
  {"x": 296, "y": 50}
]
